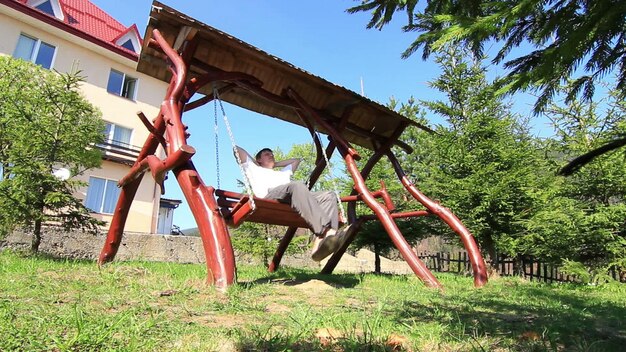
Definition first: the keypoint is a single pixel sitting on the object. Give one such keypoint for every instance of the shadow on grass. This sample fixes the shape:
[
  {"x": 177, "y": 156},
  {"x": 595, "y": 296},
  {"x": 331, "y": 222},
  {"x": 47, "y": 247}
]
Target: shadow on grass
[
  {"x": 287, "y": 344},
  {"x": 272, "y": 340},
  {"x": 27, "y": 254},
  {"x": 575, "y": 322}
]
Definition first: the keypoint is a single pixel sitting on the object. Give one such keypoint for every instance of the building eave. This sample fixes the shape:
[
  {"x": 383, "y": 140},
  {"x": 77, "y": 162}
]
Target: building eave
[{"x": 55, "y": 22}]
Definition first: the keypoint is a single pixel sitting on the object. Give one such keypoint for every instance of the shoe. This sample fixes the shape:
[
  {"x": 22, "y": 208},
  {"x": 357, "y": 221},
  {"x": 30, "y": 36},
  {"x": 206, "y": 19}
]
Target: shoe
[
  {"x": 330, "y": 244},
  {"x": 342, "y": 234},
  {"x": 327, "y": 246}
]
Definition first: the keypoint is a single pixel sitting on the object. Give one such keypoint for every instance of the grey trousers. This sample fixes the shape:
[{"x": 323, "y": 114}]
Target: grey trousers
[{"x": 318, "y": 209}]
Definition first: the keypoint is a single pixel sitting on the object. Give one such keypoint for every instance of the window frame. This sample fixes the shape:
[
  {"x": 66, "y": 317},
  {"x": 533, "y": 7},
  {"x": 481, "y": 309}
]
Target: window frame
[
  {"x": 49, "y": 2},
  {"x": 34, "y": 54},
  {"x": 101, "y": 207},
  {"x": 126, "y": 79},
  {"x": 54, "y": 5},
  {"x": 109, "y": 139}
]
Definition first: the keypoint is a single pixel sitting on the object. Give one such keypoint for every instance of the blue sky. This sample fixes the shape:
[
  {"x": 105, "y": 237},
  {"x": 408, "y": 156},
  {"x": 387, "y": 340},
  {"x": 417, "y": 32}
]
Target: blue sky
[{"x": 317, "y": 36}]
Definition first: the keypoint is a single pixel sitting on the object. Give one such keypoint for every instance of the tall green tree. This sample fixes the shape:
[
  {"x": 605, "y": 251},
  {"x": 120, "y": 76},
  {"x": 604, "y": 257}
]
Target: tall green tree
[
  {"x": 482, "y": 164},
  {"x": 45, "y": 125},
  {"x": 557, "y": 40},
  {"x": 586, "y": 221}
]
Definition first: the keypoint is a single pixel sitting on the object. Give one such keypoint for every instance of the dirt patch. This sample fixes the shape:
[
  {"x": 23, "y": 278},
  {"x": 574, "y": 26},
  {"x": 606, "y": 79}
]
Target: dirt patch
[
  {"x": 315, "y": 286},
  {"x": 277, "y": 308},
  {"x": 218, "y": 321},
  {"x": 313, "y": 292}
]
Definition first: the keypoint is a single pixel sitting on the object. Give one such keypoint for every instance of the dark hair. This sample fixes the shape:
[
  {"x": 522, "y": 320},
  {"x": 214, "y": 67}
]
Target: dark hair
[{"x": 258, "y": 155}]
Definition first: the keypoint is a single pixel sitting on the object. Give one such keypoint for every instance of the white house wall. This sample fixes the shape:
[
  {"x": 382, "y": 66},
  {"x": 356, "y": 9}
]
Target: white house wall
[{"x": 95, "y": 63}]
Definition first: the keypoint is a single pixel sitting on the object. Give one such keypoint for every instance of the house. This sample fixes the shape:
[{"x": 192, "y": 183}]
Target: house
[{"x": 66, "y": 35}]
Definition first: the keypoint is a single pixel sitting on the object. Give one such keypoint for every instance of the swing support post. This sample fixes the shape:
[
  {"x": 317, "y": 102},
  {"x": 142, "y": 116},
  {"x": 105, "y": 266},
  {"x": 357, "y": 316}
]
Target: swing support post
[
  {"x": 476, "y": 260},
  {"x": 349, "y": 156},
  {"x": 201, "y": 199}
]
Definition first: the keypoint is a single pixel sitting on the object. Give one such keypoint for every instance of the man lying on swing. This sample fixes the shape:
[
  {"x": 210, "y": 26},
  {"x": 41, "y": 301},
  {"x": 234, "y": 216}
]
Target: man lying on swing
[{"x": 318, "y": 209}]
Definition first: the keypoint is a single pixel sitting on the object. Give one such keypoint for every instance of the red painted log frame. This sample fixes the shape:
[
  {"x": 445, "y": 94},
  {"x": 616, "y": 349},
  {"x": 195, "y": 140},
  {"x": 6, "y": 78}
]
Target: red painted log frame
[{"x": 213, "y": 229}]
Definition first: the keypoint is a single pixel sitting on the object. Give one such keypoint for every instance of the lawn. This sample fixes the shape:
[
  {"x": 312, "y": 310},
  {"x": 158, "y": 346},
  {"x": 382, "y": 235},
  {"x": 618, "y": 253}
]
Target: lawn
[{"x": 66, "y": 305}]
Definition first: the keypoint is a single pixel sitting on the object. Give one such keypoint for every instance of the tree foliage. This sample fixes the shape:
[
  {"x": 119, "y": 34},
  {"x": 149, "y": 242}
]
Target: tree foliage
[
  {"x": 586, "y": 218},
  {"x": 566, "y": 37},
  {"x": 482, "y": 164},
  {"x": 45, "y": 124}
]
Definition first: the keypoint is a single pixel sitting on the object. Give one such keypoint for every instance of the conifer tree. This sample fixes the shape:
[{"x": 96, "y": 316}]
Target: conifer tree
[{"x": 45, "y": 125}]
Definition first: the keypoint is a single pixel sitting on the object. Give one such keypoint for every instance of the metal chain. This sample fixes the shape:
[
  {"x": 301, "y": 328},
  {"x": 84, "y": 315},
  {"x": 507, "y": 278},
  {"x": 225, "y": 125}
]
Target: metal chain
[
  {"x": 234, "y": 146},
  {"x": 217, "y": 145}
]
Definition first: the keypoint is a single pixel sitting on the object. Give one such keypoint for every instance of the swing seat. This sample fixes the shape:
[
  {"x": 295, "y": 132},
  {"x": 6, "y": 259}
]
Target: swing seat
[{"x": 237, "y": 208}]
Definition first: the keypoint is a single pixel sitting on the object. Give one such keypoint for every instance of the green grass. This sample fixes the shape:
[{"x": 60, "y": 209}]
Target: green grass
[{"x": 65, "y": 305}]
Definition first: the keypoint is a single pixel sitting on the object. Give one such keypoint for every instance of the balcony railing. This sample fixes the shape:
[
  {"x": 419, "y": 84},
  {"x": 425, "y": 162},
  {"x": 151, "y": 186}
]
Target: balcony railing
[{"x": 119, "y": 151}]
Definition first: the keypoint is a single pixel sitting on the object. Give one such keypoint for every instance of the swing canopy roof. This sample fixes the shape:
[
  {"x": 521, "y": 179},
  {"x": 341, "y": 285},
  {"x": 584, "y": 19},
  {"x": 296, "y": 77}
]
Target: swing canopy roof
[{"x": 369, "y": 123}]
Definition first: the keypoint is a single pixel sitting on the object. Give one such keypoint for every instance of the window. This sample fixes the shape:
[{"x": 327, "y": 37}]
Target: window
[
  {"x": 129, "y": 45},
  {"x": 46, "y": 7},
  {"x": 130, "y": 39},
  {"x": 117, "y": 135},
  {"x": 6, "y": 173},
  {"x": 102, "y": 195},
  {"x": 122, "y": 85},
  {"x": 51, "y": 7},
  {"x": 34, "y": 50}
]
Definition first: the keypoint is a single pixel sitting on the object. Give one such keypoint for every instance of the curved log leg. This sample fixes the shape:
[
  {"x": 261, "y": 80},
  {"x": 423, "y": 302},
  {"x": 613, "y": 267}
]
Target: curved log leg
[
  {"x": 418, "y": 267},
  {"x": 116, "y": 230},
  {"x": 220, "y": 258},
  {"x": 476, "y": 260},
  {"x": 282, "y": 247}
]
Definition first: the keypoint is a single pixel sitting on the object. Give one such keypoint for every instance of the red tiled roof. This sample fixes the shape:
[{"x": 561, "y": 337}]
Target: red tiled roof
[{"x": 93, "y": 21}]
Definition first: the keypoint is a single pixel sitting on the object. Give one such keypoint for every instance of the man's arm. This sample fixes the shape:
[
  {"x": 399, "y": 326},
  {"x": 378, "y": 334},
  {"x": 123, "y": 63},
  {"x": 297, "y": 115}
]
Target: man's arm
[
  {"x": 244, "y": 155},
  {"x": 294, "y": 162}
]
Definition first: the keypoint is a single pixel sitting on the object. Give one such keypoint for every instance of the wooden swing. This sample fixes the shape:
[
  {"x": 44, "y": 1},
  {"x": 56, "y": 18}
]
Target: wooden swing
[
  {"x": 196, "y": 58},
  {"x": 238, "y": 207}
]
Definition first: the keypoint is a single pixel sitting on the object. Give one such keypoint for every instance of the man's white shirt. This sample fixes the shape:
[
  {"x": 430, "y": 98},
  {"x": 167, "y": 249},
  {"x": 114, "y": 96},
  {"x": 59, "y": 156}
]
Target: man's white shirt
[{"x": 262, "y": 179}]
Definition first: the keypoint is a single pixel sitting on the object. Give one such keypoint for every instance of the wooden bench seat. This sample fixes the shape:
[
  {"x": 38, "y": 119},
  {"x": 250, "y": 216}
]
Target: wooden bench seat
[{"x": 237, "y": 208}]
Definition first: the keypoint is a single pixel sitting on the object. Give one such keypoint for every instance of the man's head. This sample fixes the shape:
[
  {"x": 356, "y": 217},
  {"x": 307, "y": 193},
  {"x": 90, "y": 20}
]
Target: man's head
[{"x": 265, "y": 158}]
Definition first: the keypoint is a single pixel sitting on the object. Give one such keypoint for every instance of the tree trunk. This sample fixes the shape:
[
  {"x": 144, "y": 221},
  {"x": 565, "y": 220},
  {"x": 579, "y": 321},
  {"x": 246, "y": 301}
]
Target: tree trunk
[
  {"x": 489, "y": 246},
  {"x": 36, "y": 240},
  {"x": 376, "y": 259}
]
